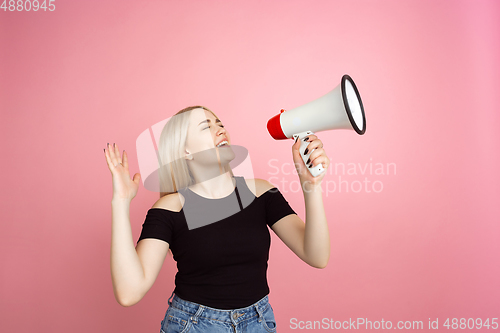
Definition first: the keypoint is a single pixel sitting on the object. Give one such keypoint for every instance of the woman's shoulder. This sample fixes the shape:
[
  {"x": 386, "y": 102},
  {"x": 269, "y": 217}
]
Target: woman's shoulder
[
  {"x": 175, "y": 201},
  {"x": 258, "y": 186},
  {"x": 172, "y": 202}
]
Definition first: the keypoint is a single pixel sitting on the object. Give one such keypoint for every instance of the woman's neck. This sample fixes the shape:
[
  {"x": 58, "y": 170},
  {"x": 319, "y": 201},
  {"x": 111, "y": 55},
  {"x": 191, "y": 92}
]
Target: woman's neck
[{"x": 218, "y": 187}]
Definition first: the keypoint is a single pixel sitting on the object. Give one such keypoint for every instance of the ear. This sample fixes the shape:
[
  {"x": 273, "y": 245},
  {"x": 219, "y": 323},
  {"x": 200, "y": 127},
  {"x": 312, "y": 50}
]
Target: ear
[{"x": 188, "y": 155}]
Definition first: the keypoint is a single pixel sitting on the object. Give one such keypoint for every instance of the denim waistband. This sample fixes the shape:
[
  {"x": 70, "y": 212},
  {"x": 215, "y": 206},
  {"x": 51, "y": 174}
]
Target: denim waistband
[{"x": 232, "y": 316}]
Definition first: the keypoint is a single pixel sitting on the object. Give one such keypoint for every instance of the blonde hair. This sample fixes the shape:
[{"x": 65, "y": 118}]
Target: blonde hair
[{"x": 174, "y": 171}]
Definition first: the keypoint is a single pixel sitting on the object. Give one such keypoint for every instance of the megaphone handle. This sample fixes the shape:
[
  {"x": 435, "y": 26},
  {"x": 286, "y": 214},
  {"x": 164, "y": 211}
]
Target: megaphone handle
[{"x": 315, "y": 170}]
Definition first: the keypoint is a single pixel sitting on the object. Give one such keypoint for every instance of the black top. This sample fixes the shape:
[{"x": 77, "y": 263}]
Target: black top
[{"x": 221, "y": 263}]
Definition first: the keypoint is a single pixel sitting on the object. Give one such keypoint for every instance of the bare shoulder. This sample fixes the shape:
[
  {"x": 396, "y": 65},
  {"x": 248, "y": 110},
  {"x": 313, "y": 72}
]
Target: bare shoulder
[
  {"x": 172, "y": 202},
  {"x": 259, "y": 186}
]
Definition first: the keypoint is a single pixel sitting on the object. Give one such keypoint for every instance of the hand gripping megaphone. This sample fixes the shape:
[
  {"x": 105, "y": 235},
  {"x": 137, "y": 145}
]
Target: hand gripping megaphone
[{"x": 341, "y": 108}]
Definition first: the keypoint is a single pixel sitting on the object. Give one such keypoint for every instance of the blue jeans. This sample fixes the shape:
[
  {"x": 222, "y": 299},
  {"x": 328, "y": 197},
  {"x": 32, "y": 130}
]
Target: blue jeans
[{"x": 184, "y": 316}]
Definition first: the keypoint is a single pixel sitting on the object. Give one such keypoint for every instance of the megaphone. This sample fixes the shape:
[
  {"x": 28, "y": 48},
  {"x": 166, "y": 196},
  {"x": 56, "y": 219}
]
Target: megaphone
[{"x": 341, "y": 108}]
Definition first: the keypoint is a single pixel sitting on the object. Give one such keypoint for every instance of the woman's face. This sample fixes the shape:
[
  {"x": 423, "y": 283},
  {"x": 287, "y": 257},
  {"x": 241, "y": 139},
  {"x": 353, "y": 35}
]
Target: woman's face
[{"x": 205, "y": 132}]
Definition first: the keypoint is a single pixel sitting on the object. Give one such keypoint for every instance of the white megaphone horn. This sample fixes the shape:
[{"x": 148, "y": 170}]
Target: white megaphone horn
[{"x": 341, "y": 108}]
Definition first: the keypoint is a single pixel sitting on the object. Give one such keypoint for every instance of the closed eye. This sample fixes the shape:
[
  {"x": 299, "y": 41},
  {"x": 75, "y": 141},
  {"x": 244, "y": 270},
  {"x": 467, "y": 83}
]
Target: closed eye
[{"x": 209, "y": 127}]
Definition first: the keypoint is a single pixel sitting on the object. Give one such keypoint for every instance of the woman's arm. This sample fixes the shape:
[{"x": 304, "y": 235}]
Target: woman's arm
[
  {"x": 133, "y": 270},
  {"x": 310, "y": 241}
]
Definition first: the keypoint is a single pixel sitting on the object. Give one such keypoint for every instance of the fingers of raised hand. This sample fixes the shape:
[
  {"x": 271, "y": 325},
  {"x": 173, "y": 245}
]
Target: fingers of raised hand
[
  {"x": 310, "y": 137},
  {"x": 125, "y": 159},
  {"x": 113, "y": 156},
  {"x": 314, "y": 142},
  {"x": 315, "y": 155},
  {"x": 117, "y": 154},
  {"x": 313, "y": 145},
  {"x": 107, "y": 153},
  {"x": 321, "y": 158}
]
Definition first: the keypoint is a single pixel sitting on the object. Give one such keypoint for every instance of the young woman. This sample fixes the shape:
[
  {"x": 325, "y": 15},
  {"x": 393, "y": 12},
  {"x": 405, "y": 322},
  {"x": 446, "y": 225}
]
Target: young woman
[{"x": 221, "y": 283}]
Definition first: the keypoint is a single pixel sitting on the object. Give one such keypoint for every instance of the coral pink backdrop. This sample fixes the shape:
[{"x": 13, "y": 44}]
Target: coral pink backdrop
[{"x": 413, "y": 205}]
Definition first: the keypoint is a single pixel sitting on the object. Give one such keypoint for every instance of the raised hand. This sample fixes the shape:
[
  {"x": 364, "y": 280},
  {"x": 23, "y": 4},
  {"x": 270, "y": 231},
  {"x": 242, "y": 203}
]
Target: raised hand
[
  {"x": 123, "y": 186},
  {"x": 317, "y": 156}
]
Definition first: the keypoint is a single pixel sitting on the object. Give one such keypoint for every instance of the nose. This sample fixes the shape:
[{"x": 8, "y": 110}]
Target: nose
[{"x": 221, "y": 130}]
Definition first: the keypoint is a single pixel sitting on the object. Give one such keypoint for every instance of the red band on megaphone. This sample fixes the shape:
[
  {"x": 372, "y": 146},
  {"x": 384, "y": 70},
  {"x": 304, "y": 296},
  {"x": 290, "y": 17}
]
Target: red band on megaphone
[{"x": 274, "y": 128}]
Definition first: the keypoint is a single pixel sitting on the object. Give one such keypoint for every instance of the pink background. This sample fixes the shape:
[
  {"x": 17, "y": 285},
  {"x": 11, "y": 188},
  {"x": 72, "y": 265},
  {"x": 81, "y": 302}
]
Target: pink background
[{"x": 425, "y": 245}]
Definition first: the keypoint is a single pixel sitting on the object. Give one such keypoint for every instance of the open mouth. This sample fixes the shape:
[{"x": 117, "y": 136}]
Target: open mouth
[{"x": 223, "y": 144}]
